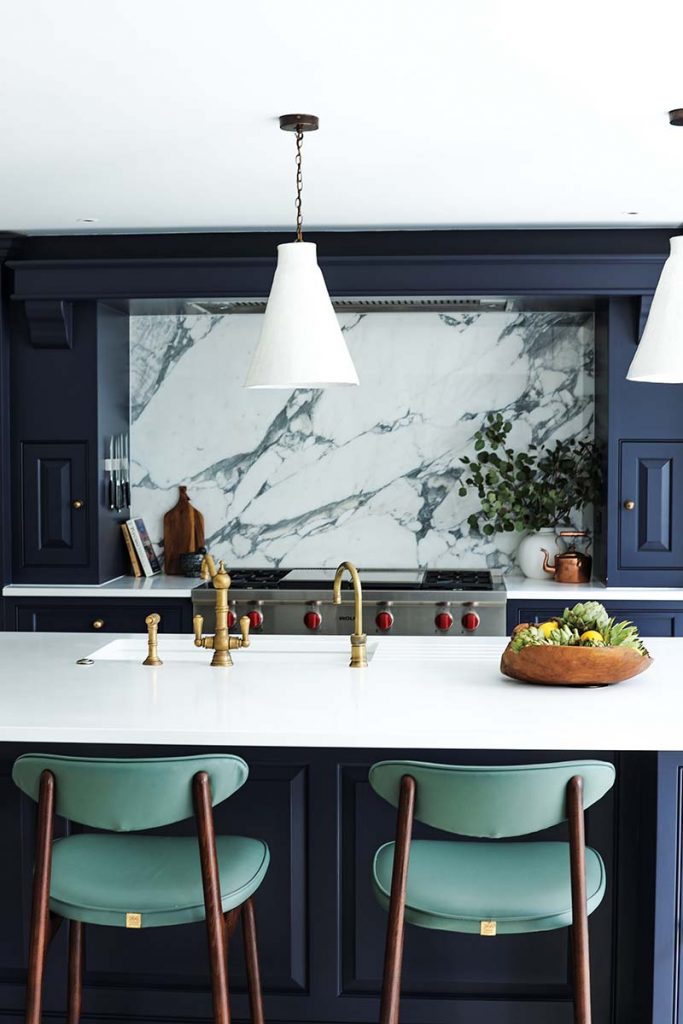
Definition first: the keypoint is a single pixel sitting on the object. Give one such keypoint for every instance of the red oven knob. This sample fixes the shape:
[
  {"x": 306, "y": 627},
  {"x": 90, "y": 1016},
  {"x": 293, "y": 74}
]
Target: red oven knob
[
  {"x": 470, "y": 621},
  {"x": 384, "y": 621},
  {"x": 443, "y": 621},
  {"x": 232, "y": 618},
  {"x": 255, "y": 618},
  {"x": 313, "y": 620}
]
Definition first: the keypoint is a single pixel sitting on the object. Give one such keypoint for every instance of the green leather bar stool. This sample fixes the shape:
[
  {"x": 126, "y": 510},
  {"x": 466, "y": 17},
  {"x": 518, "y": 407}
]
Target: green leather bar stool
[
  {"x": 124, "y": 880},
  {"x": 489, "y": 888}
]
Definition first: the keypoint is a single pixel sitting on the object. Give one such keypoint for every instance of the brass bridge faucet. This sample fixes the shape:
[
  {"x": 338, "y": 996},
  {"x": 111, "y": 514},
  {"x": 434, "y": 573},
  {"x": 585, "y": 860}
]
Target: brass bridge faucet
[
  {"x": 221, "y": 643},
  {"x": 359, "y": 657}
]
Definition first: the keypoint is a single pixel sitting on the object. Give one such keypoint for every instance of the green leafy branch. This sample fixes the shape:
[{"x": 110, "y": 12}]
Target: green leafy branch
[{"x": 528, "y": 490}]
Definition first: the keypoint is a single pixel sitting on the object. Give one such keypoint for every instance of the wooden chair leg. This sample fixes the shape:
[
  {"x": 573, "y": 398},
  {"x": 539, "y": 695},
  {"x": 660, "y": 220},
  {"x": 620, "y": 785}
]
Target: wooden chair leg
[
  {"x": 231, "y": 919},
  {"x": 393, "y": 956},
  {"x": 579, "y": 929},
  {"x": 251, "y": 961},
  {"x": 75, "y": 986},
  {"x": 40, "y": 909},
  {"x": 215, "y": 925}
]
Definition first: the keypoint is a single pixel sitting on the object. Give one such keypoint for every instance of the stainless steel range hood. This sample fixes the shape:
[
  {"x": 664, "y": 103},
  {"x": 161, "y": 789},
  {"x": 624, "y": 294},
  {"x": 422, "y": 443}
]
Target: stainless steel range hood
[{"x": 369, "y": 304}]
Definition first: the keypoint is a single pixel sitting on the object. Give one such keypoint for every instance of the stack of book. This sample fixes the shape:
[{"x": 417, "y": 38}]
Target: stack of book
[{"x": 143, "y": 558}]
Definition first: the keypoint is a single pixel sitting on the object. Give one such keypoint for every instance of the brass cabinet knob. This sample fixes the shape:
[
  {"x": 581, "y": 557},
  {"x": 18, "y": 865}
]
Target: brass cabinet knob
[
  {"x": 98, "y": 623},
  {"x": 77, "y": 504},
  {"x": 629, "y": 505}
]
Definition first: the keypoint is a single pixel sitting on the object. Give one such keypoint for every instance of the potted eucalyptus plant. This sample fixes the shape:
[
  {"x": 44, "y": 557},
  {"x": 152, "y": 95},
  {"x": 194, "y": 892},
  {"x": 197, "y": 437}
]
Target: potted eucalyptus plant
[{"x": 531, "y": 491}]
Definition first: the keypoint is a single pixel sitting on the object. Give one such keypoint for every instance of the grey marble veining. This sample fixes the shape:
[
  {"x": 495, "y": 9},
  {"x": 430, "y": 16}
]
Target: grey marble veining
[{"x": 371, "y": 473}]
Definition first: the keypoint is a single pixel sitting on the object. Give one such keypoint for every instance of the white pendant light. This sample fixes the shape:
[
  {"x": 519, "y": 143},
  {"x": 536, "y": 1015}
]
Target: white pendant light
[
  {"x": 659, "y": 357},
  {"x": 301, "y": 343}
]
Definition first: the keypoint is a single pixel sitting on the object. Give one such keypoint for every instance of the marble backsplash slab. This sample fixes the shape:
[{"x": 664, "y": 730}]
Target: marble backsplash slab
[{"x": 307, "y": 478}]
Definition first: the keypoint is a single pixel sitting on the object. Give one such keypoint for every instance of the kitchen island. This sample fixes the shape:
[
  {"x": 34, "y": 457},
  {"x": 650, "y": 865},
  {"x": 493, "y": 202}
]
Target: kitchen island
[
  {"x": 309, "y": 727},
  {"x": 426, "y": 692}
]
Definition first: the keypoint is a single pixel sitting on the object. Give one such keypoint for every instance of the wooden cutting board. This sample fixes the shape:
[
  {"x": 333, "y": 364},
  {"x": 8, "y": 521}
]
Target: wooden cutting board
[{"x": 183, "y": 531}]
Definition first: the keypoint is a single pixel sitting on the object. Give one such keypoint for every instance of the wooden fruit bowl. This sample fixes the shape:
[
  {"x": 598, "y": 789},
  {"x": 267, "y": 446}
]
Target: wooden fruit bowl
[{"x": 573, "y": 666}]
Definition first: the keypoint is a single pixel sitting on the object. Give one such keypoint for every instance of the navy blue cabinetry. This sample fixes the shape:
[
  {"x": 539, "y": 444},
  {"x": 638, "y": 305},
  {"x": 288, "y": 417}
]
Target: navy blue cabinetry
[
  {"x": 653, "y": 618},
  {"x": 85, "y": 615},
  {"x": 55, "y": 528},
  {"x": 668, "y": 939},
  {"x": 639, "y": 529},
  {"x": 651, "y": 513},
  {"x": 69, "y": 369}
]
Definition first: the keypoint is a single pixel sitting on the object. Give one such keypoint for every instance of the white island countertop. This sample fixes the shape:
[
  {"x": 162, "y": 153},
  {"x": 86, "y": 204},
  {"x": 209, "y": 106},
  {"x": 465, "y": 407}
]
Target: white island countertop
[{"x": 436, "y": 692}]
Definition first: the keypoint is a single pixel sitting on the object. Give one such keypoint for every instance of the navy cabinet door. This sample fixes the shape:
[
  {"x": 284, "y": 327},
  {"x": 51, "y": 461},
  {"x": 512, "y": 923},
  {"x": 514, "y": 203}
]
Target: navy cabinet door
[
  {"x": 104, "y": 616},
  {"x": 55, "y": 526},
  {"x": 652, "y": 619},
  {"x": 650, "y": 533}
]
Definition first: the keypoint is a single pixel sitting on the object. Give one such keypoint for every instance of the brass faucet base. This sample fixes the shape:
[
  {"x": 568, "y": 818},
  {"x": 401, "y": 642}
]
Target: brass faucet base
[
  {"x": 222, "y": 659},
  {"x": 359, "y": 654}
]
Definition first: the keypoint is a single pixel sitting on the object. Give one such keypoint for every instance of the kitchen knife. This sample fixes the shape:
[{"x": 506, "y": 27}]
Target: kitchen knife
[
  {"x": 110, "y": 473},
  {"x": 117, "y": 471},
  {"x": 126, "y": 472}
]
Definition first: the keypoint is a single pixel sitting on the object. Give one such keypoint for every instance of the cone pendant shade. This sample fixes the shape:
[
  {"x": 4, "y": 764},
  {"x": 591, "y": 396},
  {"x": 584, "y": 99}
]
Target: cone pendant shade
[
  {"x": 301, "y": 343},
  {"x": 659, "y": 357}
]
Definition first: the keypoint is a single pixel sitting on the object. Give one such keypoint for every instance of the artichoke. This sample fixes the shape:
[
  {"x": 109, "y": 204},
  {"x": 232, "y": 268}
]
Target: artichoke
[{"x": 584, "y": 617}]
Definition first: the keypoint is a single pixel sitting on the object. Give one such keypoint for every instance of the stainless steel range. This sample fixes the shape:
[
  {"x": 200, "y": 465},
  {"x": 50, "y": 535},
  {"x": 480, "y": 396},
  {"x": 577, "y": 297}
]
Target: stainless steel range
[{"x": 449, "y": 602}]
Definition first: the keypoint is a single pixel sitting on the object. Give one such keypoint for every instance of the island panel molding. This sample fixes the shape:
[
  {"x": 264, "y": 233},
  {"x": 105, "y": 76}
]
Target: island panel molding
[
  {"x": 316, "y": 811},
  {"x": 302, "y": 477}
]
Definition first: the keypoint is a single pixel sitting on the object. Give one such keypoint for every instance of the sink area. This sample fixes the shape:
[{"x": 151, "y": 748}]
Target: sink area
[{"x": 319, "y": 649}]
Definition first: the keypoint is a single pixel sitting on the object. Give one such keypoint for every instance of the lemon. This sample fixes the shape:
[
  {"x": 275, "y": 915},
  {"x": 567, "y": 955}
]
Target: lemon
[
  {"x": 547, "y": 627},
  {"x": 592, "y": 634}
]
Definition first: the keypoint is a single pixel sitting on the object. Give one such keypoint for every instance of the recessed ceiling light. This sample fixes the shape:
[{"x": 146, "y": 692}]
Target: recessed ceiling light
[
  {"x": 676, "y": 117},
  {"x": 87, "y": 220},
  {"x": 631, "y": 213}
]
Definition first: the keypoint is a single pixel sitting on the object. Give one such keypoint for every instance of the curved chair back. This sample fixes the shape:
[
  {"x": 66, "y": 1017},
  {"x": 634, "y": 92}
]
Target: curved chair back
[
  {"x": 492, "y": 802},
  {"x": 127, "y": 794}
]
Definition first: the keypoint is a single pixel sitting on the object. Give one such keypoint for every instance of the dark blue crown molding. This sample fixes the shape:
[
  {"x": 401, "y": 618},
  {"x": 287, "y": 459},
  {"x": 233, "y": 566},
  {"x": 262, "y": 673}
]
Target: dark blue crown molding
[{"x": 119, "y": 268}]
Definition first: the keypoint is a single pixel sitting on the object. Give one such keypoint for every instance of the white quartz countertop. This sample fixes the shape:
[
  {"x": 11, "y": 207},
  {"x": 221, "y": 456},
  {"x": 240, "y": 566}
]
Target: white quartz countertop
[
  {"x": 435, "y": 692},
  {"x": 521, "y": 589},
  {"x": 516, "y": 587},
  {"x": 124, "y": 586}
]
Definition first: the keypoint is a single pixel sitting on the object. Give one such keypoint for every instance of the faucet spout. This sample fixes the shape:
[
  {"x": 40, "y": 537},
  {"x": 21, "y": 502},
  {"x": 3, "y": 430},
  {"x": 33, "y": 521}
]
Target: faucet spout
[
  {"x": 359, "y": 657},
  {"x": 208, "y": 567}
]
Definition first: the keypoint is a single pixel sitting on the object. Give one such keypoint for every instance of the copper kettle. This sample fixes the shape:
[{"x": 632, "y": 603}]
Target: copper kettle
[{"x": 571, "y": 566}]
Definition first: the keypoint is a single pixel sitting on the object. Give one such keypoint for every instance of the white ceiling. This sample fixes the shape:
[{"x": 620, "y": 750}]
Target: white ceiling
[{"x": 162, "y": 114}]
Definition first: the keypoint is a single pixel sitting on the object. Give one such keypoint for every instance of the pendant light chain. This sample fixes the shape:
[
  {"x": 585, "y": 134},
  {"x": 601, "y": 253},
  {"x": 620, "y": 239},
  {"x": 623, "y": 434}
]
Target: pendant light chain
[{"x": 299, "y": 186}]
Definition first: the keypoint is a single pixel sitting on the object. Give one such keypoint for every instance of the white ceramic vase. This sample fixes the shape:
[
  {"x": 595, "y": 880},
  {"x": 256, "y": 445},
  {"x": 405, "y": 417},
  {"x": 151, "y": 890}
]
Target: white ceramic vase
[{"x": 530, "y": 553}]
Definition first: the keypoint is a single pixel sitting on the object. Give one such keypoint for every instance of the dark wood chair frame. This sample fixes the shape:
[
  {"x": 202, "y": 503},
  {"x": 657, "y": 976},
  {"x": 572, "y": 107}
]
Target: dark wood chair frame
[
  {"x": 220, "y": 926},
  {"x": 393, "y": 957}
]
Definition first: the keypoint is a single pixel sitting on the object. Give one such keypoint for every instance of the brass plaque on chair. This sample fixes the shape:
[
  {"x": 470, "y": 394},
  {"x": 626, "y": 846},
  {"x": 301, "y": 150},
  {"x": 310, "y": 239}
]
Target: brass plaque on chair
[
  {"x": 487, "y": 928},
  {"x": 133, "y": 920}
]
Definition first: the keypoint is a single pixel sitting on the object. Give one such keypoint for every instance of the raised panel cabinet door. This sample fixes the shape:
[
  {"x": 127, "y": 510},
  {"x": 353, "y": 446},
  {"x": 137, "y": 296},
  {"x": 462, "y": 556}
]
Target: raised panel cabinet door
[
  {"x": 651, "y": 496},
  {"x": 54, "y": 508}
]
